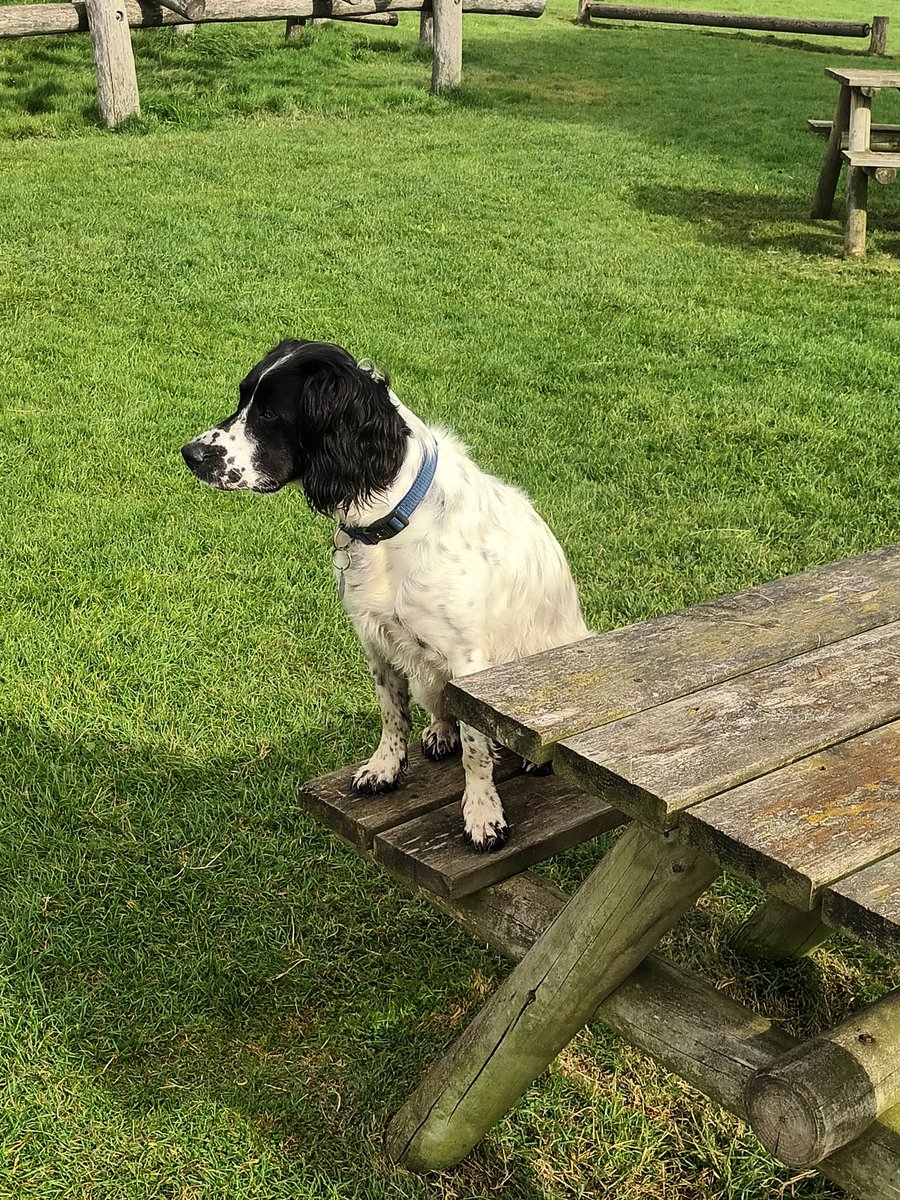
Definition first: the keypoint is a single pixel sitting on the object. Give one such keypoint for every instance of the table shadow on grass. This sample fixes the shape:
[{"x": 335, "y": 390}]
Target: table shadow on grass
[
  {"x": 763, "y": 221},
  {"x": 188, "y": 931}
]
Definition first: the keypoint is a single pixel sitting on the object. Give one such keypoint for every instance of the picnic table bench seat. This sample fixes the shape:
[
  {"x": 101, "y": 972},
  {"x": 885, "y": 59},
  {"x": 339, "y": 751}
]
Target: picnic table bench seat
[
  {"x": 757, "y": 733},
  {"x": 883, "y": 136},
  {"x": 415, "y": 832}
]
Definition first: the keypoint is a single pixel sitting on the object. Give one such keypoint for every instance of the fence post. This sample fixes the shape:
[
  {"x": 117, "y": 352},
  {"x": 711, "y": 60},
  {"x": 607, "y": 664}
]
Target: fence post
[
  {"x": 446, "y": 70},
  {"x": 878, "y": 44},
  {"x": 117, "y": 89}
]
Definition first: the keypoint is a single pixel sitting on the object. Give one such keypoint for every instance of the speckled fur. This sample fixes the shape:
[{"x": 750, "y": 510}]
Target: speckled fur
[{"x": 476, "y": 579}]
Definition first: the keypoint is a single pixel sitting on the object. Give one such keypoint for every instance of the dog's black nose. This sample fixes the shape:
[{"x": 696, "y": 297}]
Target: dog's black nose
[{"x": 196, "y": 454}]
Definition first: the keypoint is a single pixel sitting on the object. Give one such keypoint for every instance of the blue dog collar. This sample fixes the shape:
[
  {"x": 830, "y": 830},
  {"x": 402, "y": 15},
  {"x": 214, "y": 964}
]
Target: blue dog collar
[{"x": 398, "y": 518}]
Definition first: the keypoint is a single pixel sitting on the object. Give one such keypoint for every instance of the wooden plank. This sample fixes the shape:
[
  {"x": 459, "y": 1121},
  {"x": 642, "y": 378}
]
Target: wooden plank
[
  {"x": 545, "y": 815},
  {"x": 867, "y": 905},
  {"x": 884, "y": 137},
  {"x": 806, "y": 826},
  {"x": 426, "y": 786},
  {"x": 31, "y": 20},
  {"x": 533, "y": 703},
  {"x": 871, "y": 158},
  {"x": 636, "y": 894},
  {"x": 823, "y": 128},
  {"x": 868, "y": 79},
  {"x": 656, "y": 764}
]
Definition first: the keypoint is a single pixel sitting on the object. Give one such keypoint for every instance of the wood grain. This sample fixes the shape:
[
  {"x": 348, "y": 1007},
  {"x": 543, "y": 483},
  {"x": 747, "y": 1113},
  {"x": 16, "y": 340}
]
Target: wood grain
[
  {"x": 867, "y": 905},
  {"x": 446, "y": 68},
  {"x": 659, "y": 763},
  {"x": 870, "y": 79},
  {"x": 425, "y": 786},
  {"x": 825, "y": 1093},
  {"x": 639, "y": 890},
  {"x": 779, "y": 932},
  {"x": 531, "y": 704},
  {"x": 811, "y": 823},
  {"x": 192, "y": 9},
  {"x": 117, "y": 89},
  {"x": 545, "y": 815},
  {"x": 31, "y": 20},
  {"x": 722, "y": 20},
  {"x": 683, "y": 1023}
]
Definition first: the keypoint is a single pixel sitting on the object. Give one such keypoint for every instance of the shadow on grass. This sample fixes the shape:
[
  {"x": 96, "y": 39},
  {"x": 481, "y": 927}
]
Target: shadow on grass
[
  {"x": 189, "y": 930},
  {"x": 191, "y": 934},
  {"x": 762, "y": 221}
]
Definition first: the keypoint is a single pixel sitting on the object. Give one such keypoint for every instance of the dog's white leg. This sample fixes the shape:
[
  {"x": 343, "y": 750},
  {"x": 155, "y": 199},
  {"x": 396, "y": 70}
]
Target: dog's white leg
[
  {"x": 483, "y": 820},
  {"x": 385, "y": 768}
]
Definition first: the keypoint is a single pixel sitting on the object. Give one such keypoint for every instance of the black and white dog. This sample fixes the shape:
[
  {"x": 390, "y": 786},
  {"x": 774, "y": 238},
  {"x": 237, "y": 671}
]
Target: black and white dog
[{"x": 444, "y": 570}]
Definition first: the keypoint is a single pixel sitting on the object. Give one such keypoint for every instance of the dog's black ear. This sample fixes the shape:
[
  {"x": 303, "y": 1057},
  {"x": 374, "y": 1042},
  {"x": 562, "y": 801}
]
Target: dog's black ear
[{"x": 352, "y": 438}]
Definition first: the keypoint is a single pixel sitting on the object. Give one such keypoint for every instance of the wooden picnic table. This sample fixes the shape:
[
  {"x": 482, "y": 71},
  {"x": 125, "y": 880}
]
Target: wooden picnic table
[
  {"x": 853, "y": 124},
  {"x": 757, "y": 733}
]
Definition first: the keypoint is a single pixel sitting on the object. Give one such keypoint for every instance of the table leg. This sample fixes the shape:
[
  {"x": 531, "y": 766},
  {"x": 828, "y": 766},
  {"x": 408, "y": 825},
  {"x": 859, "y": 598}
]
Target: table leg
[
  {"x": 778, "y": 931},
  {"x": 857, "y": 179},
  {"x": 636, "y": 894},
  {"x": 831, "y": 164}
]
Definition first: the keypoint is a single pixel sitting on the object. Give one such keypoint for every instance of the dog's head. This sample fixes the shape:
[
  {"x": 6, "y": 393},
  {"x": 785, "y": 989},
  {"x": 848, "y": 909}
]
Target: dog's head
[{"x": 308, "y": 413}]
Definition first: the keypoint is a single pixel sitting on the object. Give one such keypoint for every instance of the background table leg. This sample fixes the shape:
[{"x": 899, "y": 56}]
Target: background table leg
[
  {"x": 857, "y": 179},
  {"x": 636, "y": 894},
  {"x": 831, "y": 164}
]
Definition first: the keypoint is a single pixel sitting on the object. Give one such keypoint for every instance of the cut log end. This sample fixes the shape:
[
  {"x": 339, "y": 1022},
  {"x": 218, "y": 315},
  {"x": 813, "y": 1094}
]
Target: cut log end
[
  {"x": 825, "y": 1093},
  {"x": 800, "y": 1121}
]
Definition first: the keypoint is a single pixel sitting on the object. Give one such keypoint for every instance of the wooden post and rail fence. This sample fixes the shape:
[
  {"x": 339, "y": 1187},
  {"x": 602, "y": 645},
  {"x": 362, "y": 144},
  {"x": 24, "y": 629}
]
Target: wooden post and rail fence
[
  {"x": 875, "y": 30},
  {"x": 109, "y": 23}
]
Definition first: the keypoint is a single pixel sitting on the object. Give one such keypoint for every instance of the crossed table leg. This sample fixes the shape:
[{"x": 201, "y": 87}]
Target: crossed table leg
[{"x": 628, "y": 903}]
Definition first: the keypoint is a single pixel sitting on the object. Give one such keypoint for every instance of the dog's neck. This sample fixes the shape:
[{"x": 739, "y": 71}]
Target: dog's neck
[{"x": 418, "y": 444}]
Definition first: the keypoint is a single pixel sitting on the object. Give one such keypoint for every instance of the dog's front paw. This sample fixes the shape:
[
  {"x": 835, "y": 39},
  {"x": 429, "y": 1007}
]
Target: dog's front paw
[
  {"x": 440, "y": 740},
  {"x": 488, "y": 840},
  {"x": 375, "y": 778},
  {"x": 484, "y": 826}
]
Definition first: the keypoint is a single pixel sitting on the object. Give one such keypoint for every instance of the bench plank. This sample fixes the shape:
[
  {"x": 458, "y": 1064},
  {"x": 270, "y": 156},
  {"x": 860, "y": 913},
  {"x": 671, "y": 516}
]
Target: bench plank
[
  {"x": 811, "y": 823},
  {"x": 823, "y": 128},
  {"x": 615, "y": 674},
  {"x": 872, "y": 158},
  {"x": 867, "y": 905},
  {"x": 546, "y": 815},
  {"x": 656, "y": 764},
  {"x": 426, "y": 786}
]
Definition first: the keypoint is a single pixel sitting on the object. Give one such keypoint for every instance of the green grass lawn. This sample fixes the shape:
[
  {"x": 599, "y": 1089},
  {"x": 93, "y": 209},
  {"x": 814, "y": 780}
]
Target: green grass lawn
[{"x": 595, "y": 262}]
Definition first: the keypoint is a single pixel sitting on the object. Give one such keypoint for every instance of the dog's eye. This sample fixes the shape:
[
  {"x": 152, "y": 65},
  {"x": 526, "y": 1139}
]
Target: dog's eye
[{"x": 267, "y": 415}]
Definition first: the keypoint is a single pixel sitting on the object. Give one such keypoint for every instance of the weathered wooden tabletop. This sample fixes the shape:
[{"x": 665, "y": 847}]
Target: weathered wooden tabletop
[
  {"x": 766, "y": 724},
  {"x": 864, "y": 78}
]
